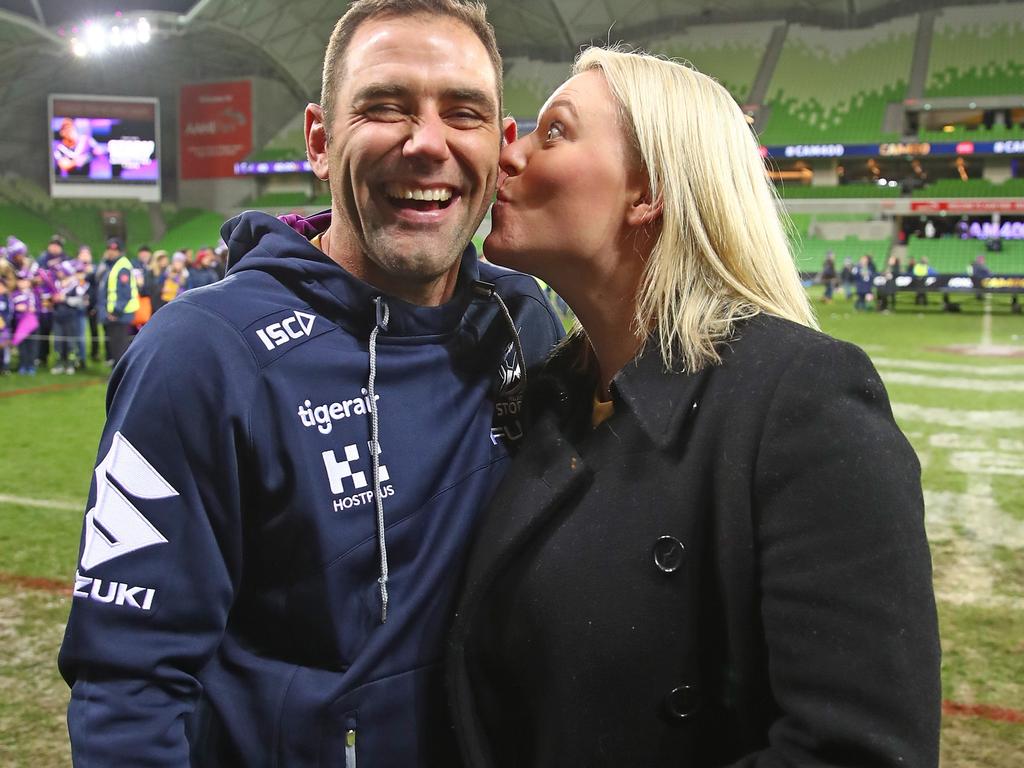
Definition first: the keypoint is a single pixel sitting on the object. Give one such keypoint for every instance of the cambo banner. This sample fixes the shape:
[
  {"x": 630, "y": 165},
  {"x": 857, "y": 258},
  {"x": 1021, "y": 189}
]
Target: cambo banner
[{"x": 214, "y": 128}]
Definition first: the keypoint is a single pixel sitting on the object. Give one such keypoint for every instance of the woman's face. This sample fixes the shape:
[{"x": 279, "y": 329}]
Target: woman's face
[{"x": 565, "y": 188}]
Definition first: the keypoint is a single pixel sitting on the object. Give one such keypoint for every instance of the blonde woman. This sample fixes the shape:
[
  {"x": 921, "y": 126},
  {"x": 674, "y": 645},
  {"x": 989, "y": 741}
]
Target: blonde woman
[{"x": 710, "y": 548}]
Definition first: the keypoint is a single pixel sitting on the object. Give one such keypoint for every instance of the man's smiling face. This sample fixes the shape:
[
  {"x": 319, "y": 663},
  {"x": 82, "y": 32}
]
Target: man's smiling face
[{"x": 412, "y": 153}]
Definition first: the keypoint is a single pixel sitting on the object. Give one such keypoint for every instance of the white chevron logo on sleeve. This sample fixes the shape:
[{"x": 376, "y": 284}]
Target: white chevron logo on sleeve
[{"x": 114, "y": 526}]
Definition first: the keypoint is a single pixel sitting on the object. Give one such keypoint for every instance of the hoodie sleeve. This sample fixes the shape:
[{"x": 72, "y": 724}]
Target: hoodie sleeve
[{"x": 159, "y": 562}]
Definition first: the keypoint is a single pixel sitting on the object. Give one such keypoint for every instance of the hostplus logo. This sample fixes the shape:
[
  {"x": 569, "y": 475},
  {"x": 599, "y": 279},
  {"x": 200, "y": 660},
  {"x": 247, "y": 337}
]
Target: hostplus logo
[{"x": 351, "y": 477}]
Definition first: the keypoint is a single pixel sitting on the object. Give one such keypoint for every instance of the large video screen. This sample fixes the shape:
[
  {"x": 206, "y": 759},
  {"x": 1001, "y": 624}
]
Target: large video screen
[{"x": 104, "y": 147}]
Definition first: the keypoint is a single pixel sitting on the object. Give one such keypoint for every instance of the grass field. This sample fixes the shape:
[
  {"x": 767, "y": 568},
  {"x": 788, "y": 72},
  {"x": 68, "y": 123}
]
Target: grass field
[{"x": 963, "y": 415}]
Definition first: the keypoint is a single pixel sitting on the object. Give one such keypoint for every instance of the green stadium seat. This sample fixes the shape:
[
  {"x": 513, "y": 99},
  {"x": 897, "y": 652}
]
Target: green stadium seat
[
  {"x": 841, "y": 191},
  {"x": 730, "y": 53},
  {"x": 810, "y": 252},
  {"x": 971, "y": 188},
  {"x": 835, "y": 85},
  {"x": 977, "y": 51},
  {"x": 951, "y": 255}
]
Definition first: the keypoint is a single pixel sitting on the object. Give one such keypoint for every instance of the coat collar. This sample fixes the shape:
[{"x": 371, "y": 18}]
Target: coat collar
[{"x": 660, "y": 398}]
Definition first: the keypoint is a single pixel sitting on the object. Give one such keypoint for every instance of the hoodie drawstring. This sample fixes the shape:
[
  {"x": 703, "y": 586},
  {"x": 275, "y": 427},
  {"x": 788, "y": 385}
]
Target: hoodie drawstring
[
  {"x": 485, "y": 290},
  {"x": 383, "y": 315},
  {"x": 488, "y": 291}
]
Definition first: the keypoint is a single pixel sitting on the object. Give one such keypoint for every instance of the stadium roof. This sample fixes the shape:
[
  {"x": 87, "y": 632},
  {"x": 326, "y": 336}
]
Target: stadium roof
[
  {"x": 544, "y": 29},
  {"x": 284, "y": 41}
]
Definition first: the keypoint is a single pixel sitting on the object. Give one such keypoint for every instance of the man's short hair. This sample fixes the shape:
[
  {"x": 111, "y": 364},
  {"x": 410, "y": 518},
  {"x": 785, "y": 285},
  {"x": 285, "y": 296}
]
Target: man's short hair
[{"x": 472, "y": 14}]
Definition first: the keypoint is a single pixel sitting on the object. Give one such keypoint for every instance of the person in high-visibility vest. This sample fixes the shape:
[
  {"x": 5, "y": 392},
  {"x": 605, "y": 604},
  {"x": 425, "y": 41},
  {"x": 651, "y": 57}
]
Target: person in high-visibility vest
[
  {"x": 921, "y": 270},
  {"x": 118, "y": 299}
]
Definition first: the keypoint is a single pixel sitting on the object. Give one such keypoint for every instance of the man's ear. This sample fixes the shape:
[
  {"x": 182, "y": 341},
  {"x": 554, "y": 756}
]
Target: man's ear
[
  {"x": 316, "y": 140},
  {"x": 645, "y": 209},
  {"x": 509, "y": 131}
]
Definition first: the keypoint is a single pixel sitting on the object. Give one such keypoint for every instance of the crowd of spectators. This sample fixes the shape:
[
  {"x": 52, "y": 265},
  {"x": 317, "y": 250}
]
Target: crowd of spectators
[{"x": 53, "y": 305}]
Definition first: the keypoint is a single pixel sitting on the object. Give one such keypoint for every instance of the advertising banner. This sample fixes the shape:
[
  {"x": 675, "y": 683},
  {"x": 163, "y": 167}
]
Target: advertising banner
[{"x": 214, "y": 128}]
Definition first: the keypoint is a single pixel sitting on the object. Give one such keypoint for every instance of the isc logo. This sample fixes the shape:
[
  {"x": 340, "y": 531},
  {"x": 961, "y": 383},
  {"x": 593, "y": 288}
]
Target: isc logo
[{"x": 295, "y": 327}]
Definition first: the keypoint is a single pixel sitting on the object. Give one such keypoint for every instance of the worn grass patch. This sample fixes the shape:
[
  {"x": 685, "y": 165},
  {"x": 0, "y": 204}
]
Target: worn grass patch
[
  {"x": 33, "y": 731},
  {"x": 969, "y": 742}
]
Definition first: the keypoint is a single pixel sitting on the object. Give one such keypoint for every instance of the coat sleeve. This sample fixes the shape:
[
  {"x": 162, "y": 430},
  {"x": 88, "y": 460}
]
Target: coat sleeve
[
  {"x": 159, "y": 561},
  {"x": 847, "y": 602}
]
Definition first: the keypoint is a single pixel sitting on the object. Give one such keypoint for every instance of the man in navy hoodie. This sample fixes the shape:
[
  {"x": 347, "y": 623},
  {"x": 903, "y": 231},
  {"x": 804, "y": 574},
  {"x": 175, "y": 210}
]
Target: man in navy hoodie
[{"x": 294, "y": 457}]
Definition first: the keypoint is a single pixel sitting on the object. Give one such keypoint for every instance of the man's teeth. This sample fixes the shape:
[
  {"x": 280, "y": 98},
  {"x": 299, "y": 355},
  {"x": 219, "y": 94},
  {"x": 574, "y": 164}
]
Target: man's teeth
[{"x": 408, "y": 193}]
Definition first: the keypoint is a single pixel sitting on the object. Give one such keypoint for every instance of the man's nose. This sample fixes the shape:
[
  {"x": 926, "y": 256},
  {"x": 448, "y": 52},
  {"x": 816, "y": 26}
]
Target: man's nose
[{"x": 428, "y": 139}]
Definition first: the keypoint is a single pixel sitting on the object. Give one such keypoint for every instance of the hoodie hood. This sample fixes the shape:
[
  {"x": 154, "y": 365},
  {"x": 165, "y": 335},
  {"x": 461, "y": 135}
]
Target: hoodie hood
[{"x": 281, "y": 248}]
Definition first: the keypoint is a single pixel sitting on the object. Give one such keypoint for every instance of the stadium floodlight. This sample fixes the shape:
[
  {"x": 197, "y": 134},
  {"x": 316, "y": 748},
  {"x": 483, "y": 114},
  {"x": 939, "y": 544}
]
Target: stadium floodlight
[{"x": 97, "y": 38}]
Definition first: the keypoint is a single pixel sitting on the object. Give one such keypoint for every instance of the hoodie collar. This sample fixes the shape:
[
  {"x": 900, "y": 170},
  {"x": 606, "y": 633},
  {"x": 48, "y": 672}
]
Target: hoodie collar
[{"x": 281, "y": 247}]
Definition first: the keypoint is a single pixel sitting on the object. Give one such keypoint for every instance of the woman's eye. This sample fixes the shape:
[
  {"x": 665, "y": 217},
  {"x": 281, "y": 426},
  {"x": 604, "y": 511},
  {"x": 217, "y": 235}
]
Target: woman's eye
[{"x": 555, "y": 131}]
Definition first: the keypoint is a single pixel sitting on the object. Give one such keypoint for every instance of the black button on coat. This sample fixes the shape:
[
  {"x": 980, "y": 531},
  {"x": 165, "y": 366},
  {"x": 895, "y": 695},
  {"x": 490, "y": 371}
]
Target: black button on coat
[{"x": 796, "y": 623}]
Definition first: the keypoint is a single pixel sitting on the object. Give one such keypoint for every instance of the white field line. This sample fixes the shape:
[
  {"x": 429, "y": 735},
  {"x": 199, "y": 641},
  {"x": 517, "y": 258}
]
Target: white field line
[
  {"x": 70, "y": 506},
  {"x": 924, "y": 365},
  {"x": 939, "y": 382},
  {"x": 987, "y": 463},
  {"x": 957, "y": 441},
  {"x": 972, "y": 525},
  {"x": 948, "y": 417}
]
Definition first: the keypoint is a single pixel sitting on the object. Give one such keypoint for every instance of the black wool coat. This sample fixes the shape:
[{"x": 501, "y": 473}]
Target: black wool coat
[{"x": 731, "y": 570}]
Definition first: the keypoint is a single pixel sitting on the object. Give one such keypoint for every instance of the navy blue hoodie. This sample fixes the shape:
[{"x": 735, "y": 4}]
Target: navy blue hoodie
[{"x": 227, "y": 606}]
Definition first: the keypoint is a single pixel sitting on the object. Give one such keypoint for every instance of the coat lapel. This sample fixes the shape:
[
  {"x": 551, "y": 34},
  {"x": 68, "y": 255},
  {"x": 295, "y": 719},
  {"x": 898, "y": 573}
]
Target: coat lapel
[{"x": 661, "y": 400}]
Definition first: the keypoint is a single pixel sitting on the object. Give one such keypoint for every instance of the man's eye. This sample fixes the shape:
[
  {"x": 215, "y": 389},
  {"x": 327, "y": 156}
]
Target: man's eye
[
  {"x": 463, "y": 117},
  {"x": 384, "y": 112},
  {"x": 555, "y": 131}
]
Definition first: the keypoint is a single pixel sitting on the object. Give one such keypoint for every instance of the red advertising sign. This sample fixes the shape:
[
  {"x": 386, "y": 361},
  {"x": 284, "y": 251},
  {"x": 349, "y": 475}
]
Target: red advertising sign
[
  {"x": 967, "y": 206},
  {"x": 214, "y": 128}
]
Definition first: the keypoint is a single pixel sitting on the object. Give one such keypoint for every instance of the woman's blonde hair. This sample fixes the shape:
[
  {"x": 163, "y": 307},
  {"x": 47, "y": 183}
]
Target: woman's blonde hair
[{"x": 722, "y": 254}]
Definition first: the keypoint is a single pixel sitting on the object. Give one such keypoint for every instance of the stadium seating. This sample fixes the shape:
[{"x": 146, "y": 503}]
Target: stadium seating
[
  {"x": 291, "y": 199},
  {"x": 25, "y": 224},
  {"x": 801, "y": 191},
  {"x": 802, "y": 222},
  {"x": 961, "y": 133},
  {"x": 834, "y": 85},
  {"x": 34, "y": 218},
  {"x": 977, "y": 51},
  {"x": 191, "y": 228},
  {"x": 810, "y": 252},
  {"x": 971, "y": 188},
  {"x": 951, "y": 255},
  {"x": 731, "y": 53}
]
